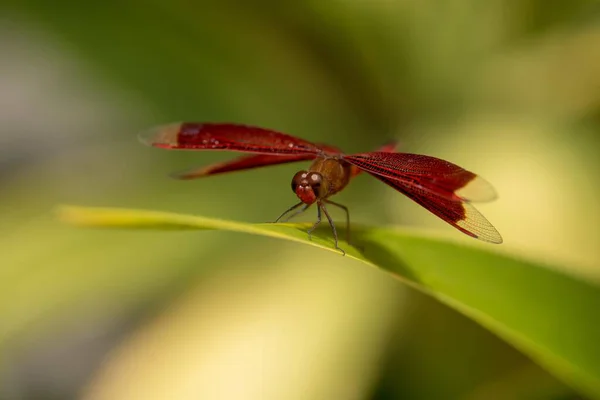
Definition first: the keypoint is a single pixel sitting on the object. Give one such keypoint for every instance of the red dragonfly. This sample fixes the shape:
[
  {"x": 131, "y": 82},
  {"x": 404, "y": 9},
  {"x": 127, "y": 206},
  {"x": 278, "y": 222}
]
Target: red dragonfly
[{"x": 443, "y": 188}]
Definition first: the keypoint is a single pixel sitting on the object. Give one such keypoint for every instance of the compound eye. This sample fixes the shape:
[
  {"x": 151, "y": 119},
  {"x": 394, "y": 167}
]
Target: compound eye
[
  {"x": 297, "y": 179},
  {"x": 314, "y": 180}
]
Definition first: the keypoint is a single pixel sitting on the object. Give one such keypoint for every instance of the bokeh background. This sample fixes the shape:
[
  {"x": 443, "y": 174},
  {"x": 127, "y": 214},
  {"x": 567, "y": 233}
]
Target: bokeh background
[{"x": 509, "y": 89}]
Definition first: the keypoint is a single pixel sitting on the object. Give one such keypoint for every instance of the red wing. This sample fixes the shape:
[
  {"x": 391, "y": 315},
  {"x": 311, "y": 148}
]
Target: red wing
[
  {"x": 241, "y": 163},
  {"x": 389, "y": 147},
  {"x": 431, "y": 174},
  {"x": 460, "y": 214},
  {"x": 232, "y": 137}
]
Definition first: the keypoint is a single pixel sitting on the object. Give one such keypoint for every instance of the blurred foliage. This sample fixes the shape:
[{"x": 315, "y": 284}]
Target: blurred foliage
[{"x": 508, "y": 89}]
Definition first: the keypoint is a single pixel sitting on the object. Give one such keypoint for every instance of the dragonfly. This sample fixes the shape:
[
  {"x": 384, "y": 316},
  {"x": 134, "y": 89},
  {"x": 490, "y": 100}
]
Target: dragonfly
[{"x": 441, "y": 187}]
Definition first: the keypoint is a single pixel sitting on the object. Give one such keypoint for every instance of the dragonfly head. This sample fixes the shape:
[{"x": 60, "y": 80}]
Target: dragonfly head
[{"x": 309, "y": 186}]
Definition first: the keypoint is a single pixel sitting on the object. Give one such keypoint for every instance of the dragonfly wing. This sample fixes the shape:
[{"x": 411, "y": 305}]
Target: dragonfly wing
[
  {"x": 389, "y": 147},
  {"x": 460, "y": 214},
  {"x": 242, "y": 163},
  {"x": 426, "y": 173},
  {"x": 231, "y": 137}
]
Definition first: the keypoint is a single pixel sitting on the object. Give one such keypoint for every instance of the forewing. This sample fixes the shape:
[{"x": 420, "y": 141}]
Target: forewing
[
  {"x": 231, "y": 137},
  {"x": 242, "y": 163},
  {"x": 460, "y": 214},
  {"x": 426, "y": 173},
  {"x": 389, "y": 147}
]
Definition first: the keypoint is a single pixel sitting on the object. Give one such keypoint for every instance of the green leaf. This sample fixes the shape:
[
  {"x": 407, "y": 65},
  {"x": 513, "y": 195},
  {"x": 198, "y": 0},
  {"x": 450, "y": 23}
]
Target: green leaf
[{"x": 545, "y": 314}]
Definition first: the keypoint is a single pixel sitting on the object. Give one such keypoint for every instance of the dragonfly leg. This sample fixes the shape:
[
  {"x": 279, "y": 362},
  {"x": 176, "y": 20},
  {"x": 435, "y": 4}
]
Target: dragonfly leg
[
  {"x": 300, "y": 211},
  {"x": 335, "y": 236},
  {"x": 310, "y": 231},
  {"x": 292, "y": 208},
  {"x": 343, "y": 207}
]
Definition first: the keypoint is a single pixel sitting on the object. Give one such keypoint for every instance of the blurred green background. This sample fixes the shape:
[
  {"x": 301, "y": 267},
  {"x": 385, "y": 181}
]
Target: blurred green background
[{"x": 507, "y": 89}]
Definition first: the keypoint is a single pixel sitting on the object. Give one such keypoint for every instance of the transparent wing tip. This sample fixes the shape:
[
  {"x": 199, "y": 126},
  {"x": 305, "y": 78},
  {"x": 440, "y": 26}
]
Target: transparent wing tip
[
  {"x": 477, "y": 190},
  {"x": 476, "y": 225},
  {"x": 164, "y": 136}
]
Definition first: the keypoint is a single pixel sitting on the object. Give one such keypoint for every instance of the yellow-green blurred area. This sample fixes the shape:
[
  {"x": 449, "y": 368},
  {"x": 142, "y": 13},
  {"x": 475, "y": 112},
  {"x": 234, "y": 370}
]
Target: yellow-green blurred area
[{"x": 507, "y": 89}]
